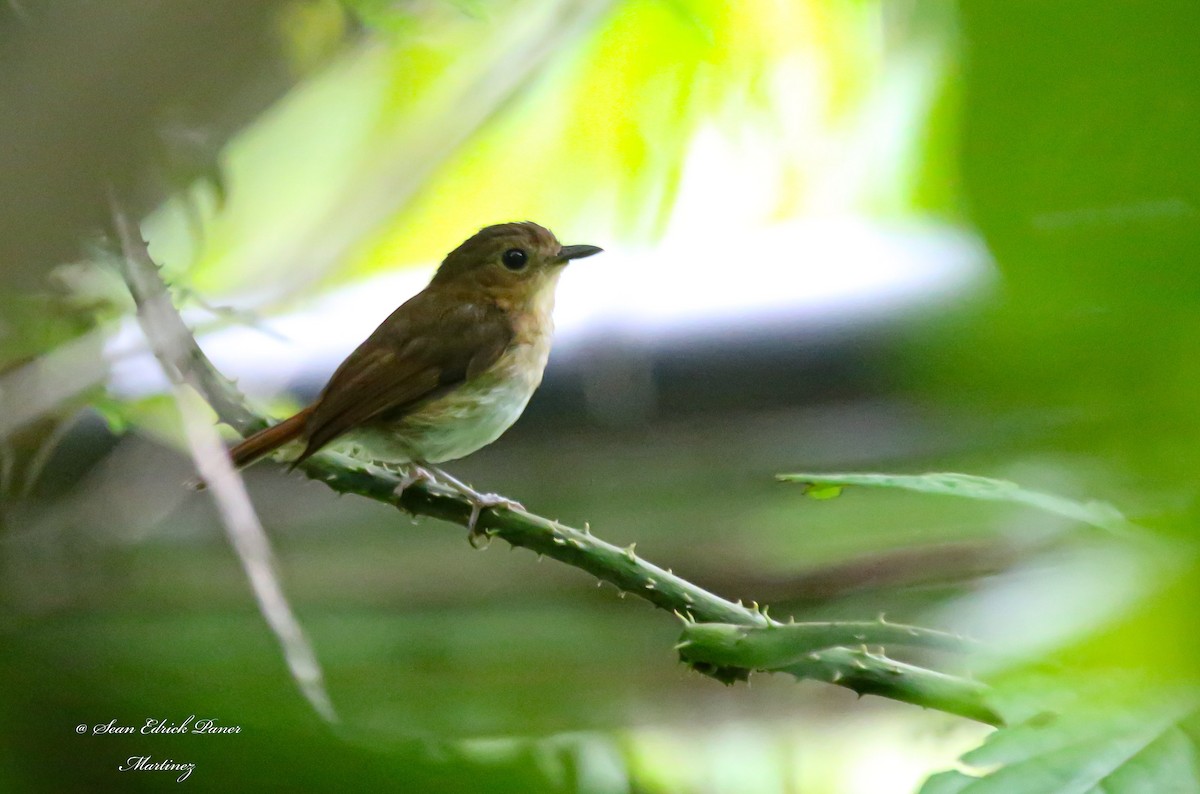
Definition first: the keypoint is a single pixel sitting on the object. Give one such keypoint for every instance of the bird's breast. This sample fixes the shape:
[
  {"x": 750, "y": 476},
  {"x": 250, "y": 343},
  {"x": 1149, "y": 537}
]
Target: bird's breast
[{"x": 471, "y": 416}]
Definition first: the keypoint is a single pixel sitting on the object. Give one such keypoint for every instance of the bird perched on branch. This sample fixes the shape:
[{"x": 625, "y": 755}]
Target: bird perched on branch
[{"x": 449, "y": 371}]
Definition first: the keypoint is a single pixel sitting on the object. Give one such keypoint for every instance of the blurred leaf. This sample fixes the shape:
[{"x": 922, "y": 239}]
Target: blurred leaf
[
  {"x": 820, "y": 492},
  {"x": 77, "y": 298},
  {"x": 548, "y": 111},
  {"x": 114, "y": 412},
  {"x": 312, "y": 31},
  {"x": 157, "y": 417},
  {"x": 1098, "y": 749},
  {"x": 1098, "y": 514}
]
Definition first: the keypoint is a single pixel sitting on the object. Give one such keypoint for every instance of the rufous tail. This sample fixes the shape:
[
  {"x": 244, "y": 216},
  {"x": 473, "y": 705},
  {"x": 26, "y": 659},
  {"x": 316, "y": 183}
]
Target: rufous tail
[{"x": 264, "y": 442}]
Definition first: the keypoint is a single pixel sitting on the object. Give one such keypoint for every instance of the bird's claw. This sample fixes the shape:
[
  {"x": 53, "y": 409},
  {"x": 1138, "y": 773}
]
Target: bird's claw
[
  {"x": 478, "y": 501},
  {"x": 479, "y": 539},
  {"x": 410, "y": 477}
]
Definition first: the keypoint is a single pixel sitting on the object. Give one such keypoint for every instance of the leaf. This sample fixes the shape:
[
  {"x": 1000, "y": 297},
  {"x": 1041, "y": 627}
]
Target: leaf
[
  {"x": 1099, "y": 749},
  {"x": 114, "y": 413},
  {"x": 1097, "y": 514},
  {"x": 823, "y": 491}
]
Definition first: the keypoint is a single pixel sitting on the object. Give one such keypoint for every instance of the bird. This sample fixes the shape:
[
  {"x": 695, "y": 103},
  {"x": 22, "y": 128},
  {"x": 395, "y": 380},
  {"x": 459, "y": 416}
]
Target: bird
[{"x": 448, "y": 371}]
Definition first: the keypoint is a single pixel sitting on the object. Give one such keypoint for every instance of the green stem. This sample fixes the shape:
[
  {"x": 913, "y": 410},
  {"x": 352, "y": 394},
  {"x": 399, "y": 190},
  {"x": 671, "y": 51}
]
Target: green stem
[
  {"x": 858, "y": 670},
  {"x": 776, "y": 646}
]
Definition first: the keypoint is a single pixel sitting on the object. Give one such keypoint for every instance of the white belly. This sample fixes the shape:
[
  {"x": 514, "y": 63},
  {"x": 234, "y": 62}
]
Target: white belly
[{"x": 468, "y": 418}]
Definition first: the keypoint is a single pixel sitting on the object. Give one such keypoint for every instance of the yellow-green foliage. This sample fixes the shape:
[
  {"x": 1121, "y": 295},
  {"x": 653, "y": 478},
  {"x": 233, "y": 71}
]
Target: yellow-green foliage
[{"x": 446, "y": 119}]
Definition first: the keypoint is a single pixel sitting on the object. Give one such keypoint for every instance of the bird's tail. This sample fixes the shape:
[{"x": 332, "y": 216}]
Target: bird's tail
[{"x": 264, "y": 442}]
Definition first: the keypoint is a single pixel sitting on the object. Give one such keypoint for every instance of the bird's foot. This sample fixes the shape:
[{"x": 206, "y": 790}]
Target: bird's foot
[
  {"x": 480, "y": 502},
  {"x": 412, "y": 475}
]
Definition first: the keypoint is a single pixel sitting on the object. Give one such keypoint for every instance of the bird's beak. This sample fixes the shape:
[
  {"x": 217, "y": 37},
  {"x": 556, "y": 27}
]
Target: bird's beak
[{"x": 569, "y": 252}]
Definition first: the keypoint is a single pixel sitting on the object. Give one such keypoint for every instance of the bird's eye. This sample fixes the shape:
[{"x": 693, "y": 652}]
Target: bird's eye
[{"x": 514, "y": 259}]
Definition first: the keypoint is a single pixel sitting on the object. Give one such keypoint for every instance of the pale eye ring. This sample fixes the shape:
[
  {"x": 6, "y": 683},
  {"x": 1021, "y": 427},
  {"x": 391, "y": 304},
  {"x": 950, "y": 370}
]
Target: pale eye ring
[{"x": 514, "y": 259}]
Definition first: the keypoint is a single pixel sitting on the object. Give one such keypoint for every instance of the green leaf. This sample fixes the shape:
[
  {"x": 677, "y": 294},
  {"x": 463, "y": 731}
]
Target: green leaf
[
  {"x": 815, "y": 491},
  {"x": 114, "y": 412},
  {"x": 1099, "y": 749},
  {"x": 1097, "y": 514}
]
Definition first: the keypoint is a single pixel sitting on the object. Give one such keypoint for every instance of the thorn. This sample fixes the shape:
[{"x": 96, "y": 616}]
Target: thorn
[
  {"x": 882, "y": 618},
  {"x": 629, "y": 552},
  {"x": 814, "y": 657},
  {"x": 679, "y": 646},
  {"x": 599, "y": 583},
  {"x": 587, "y": 528},
  {"x": 837, "y": 676},
  {"x": 621, "y": 594}
]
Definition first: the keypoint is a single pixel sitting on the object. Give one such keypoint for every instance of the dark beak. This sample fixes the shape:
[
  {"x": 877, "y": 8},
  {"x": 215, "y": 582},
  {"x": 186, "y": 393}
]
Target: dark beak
[{"x": 569, "y": 252}]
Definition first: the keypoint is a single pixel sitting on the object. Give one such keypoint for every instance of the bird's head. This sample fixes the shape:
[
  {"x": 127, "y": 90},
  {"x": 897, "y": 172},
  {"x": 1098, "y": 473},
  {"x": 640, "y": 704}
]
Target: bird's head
[{"x": 512, "y": 262}]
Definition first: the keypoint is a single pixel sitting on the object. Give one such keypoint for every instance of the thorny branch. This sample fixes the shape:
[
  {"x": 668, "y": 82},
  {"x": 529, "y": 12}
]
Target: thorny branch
[{"x": 830, "y": 660}]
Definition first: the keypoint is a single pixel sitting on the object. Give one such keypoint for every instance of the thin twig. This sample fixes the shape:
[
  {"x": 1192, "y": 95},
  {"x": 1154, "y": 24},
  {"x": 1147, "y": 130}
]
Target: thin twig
[{"x": 173, "y": 346}]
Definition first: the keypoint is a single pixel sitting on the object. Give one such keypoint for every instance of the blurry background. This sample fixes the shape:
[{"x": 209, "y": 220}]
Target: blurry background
[{"x": 840, "y": 235}]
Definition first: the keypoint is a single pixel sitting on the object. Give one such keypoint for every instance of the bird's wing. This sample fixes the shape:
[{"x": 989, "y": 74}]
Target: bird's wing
[{"x": 421, "y": 352}]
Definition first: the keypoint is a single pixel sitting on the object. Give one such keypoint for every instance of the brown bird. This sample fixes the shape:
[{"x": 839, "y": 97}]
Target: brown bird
[{"x": 449, "y": 371}]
